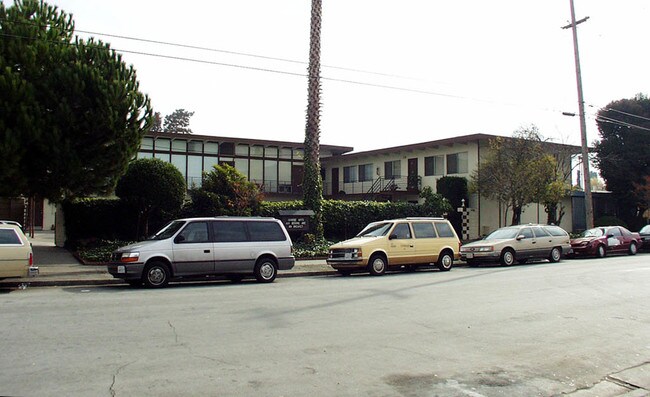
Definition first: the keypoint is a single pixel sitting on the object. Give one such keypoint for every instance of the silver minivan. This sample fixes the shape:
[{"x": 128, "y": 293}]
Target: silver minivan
[{"x": 191, "y": 247}]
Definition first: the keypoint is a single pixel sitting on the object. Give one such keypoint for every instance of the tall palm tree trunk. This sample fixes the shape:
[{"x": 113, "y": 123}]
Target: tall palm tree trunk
[{"x": 312, "y": 183}]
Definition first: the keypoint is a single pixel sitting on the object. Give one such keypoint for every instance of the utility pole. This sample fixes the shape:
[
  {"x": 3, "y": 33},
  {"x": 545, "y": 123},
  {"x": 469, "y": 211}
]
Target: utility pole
[{"x": 589, "y": 207}]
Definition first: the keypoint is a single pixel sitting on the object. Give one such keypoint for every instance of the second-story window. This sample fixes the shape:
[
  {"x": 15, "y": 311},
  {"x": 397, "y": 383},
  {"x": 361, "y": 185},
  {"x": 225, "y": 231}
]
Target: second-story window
[
  {"x": 457, "y": 163},
  {"x": 393, "y": 169}
]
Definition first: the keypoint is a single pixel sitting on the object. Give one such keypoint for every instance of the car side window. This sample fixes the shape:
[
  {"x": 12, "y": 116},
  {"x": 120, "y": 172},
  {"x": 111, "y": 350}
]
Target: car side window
[
  {"x": 556, "y": 231},
  {"x": 195, "y": 232},
  {"x": 229, "y": 231},
  {"x": 423, "y": 230},
  {"x": 9, "y": 237},
  {"x": 539, "y": 232},
  {"x": 526, "y": 232},
  {"x": 614, "y": 231},
  {"x": 402, "y": 231},
  {"x": 265, "y": 231},
  {"x": 444, "y": 230}
]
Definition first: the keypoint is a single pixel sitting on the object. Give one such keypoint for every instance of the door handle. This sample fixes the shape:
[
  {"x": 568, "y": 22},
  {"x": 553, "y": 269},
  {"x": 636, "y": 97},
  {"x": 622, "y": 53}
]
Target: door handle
[{"x": 206, "y": 251}]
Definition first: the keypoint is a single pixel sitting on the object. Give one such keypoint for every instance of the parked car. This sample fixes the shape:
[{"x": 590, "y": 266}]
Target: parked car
[
  {"x": 398, "y": 243},
  {"x": 16, "y": 256},
  {"x": 644, "y": 233},
  {"x": 191, "y": 247},
  {"x": 600, "y": 241},
  {"x": 5, "y": 222},
  {"x": 519, "y": 243}
]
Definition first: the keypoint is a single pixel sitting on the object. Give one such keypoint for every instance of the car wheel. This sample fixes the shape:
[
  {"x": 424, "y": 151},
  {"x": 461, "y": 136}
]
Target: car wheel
[
  {"x": 156, "y": 275},
  {"x": 633, "y": 249},
  {"x": 555, "y": 255},
  {"x": 445, "y": 261},
  {"x": 507, "y": 257},
  {"x": 377, "y": 265},
  {"x": 600, "y": 251},
  {"x": 265, "y": 270}
]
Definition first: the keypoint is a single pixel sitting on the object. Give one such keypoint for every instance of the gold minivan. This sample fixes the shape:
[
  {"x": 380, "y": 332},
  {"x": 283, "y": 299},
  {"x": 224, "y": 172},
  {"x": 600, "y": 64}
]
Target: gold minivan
[
  {"x": 16, "y": 257},
  {"x": 406, "y": 243}
]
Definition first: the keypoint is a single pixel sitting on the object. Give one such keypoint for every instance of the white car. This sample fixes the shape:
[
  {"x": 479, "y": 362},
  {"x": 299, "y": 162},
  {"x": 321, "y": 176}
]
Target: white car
[
  {"x": 16, "y": 256},
  {"x": 191, "y": 247},
  {"x": 520, "y": 243}
]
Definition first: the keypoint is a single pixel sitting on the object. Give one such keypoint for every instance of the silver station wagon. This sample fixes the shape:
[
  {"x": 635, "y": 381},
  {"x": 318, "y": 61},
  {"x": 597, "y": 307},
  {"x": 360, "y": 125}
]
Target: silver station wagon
[
  {"x": 232, "y": 246},
  {"x": 519, "y": 243}
]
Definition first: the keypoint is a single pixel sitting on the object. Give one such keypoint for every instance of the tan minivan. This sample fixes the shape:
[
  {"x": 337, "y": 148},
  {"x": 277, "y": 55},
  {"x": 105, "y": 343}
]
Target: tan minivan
[
  {"x": 406, "y": 243},
  {"x": 16, "y": 257}
]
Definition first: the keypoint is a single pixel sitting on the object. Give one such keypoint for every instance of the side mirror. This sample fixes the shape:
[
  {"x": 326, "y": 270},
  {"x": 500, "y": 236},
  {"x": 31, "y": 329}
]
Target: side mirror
[
  {"x": 392, "y": 237},
  {"x": 179, "y": 239},
  {"x": 610, "y": 235},
  {"x": 520, "y": 237}
]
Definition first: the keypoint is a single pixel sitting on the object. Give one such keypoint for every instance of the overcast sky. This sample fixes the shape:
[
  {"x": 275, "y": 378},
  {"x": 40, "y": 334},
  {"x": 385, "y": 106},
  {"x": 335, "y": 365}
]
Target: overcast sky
[{"x": 395, "y": 72}]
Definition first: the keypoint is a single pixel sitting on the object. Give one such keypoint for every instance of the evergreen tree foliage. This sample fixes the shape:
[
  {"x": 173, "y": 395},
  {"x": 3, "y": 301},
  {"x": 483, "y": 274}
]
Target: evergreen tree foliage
[
  {"x": 225, "y": 191},
  {"x": 178, "y": 122},
  {"x": 623, "y": 153},
  {"x": 151, "y": 185},
  {"x": 71, "y": 113}
]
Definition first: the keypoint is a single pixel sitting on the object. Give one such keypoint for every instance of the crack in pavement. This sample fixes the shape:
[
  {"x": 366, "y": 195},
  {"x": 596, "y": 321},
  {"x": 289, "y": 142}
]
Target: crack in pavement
[{"x": 117, "y": 372}]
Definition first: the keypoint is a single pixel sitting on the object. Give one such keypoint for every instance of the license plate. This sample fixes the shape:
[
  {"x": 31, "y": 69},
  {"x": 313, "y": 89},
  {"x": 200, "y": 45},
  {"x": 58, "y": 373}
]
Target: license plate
[
  {"x": 469, "y": 255},
  {"x": 121, "y": 269}
]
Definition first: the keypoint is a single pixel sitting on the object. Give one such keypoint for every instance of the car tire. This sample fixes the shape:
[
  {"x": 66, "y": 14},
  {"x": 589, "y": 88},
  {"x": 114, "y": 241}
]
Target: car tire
[
  {"x": 507, "y": 257},
  {"x": 600, "y": 251},
  {"x": 633, "y": 249},
  {"x": 377, "y": 265},
  {"x": 266, "y": 270},
  {"x": 156, "y": 275},
  {"x": 555, "y": 255},
  {"x": 445, "y": 261}
]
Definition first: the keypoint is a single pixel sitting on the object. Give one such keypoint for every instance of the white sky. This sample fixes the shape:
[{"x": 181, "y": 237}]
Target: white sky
[{"x": 498, "y": 64}]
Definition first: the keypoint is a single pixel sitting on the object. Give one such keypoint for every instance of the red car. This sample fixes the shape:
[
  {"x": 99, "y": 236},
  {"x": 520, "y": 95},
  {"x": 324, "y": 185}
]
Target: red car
[{"x": 602, "y": 240}]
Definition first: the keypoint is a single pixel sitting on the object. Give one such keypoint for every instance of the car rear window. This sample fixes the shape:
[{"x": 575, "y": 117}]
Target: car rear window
[
  {"x": 9, "y": 237},
  {"x": 444, "y": 230},
  {"x": 229, "y": 231},
  {"x": 266, "y": 231},
  {"x": 556, "y": 231},
  {"x": 423, "y": 230}
]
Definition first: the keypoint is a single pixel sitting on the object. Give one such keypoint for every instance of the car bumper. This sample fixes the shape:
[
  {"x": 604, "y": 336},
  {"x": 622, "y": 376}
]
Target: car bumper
[
  {"x": 491, "y": 256},
  {"x": 583, "y": 251},
  {"x": 126, "y": 271},
  {"x": 347, "y": 264},
  {"x": 32, "y": 271},
  {"x": 286, "y": 263}
]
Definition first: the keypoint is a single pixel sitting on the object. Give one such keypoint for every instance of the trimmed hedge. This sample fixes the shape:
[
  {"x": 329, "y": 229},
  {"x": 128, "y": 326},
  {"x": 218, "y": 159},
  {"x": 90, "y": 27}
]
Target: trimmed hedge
[{"x": 98, "y": 219}]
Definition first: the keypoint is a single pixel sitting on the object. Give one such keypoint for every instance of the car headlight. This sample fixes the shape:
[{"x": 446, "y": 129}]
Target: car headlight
[{"x": 129, "y": 257}]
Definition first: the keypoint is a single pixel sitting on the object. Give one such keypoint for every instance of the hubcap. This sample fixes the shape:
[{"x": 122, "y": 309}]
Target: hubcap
[
  {"x": 378, "y": 265},
  {"x": 446, "y": 261},
  {"x": 156, "y": 275},
  {"x": 556, "y": 254},
  {"x": 267, "y": 270},
  {"x": 508, "y": 258}
]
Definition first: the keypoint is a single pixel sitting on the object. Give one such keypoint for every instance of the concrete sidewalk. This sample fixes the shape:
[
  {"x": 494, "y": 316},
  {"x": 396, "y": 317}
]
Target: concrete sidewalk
[{"x": 58, "y": 267}]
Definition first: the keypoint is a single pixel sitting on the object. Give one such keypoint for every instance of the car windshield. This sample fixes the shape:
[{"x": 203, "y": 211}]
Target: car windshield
[
  {"x": 502, "y": 234},
  {"x": 376, "y": 230},
  {"x": 167, "y": 231},
  {"x": 596, "y": 232},
  {"x": 645, "y": 229}
]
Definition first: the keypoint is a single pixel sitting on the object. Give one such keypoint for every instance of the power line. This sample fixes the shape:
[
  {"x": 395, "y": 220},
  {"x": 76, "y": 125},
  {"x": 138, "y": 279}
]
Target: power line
[
  {"x": 619, "y": 123},
  {"x": 627, "y": 114}
]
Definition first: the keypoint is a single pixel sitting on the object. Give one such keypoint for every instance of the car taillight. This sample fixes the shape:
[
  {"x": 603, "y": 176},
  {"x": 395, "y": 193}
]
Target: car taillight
[{"x": 31, "y": 259}]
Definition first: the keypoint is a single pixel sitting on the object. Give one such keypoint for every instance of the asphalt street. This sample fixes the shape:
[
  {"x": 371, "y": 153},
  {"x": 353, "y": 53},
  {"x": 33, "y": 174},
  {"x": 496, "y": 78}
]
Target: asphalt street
[{"x": 577, "y": 328}]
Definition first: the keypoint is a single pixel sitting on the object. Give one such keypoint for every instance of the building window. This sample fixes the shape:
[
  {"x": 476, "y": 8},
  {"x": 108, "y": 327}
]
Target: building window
[
  {"x": 241, "y": 165},
  {"x": 179, "y": 145},
  {"x": 147, "y": 144},
  {"x": 145, "y": 155},
  {"x": 211, "y": 148},
  {"x": 271, "y": 152},
  {"x": 270, "y": 176},
  {"x": 285, "y": 153},
  {"x": 178, "y": 160},
  {"x": 227, "y": 148},
  {"x": 257, "y": 171},
  {"x": 349, "y": 174},
  {"x": 194, "y": 171},
  {"x": 393, "y": 169},
  {"x": 195, "y": 147},
  {"x": 257, "y": 151},
  {"x": 209, "y": 163},
  {"x": 365, "y": 172},
  {"x": 457, "y": 163},
  {"x": 162, "y": 156},
  {"x": 284, "y": 180},
  {"x": 163, "y": 144},
  {"x": 241, "y": 150},
  {"x": 299, "y": 154},
  {"x": 434, "y": 165}
]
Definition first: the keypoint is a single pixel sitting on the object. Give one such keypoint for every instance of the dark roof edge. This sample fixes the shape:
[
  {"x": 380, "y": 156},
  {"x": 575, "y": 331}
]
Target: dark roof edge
[{"x": 334, "y": 148}]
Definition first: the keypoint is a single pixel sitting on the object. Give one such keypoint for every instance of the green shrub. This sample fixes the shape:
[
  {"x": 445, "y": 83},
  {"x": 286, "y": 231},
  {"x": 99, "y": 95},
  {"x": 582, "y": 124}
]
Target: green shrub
[{"x": 99, "y": 250}]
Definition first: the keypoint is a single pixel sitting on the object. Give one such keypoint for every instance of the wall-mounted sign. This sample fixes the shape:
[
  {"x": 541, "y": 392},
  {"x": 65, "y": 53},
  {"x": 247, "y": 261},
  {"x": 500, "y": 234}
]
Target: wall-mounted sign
[{"x": 296, "y": 221}]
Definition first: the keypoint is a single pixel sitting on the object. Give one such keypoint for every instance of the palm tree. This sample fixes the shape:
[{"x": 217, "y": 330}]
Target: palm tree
[{"x": 312, "y": 183}]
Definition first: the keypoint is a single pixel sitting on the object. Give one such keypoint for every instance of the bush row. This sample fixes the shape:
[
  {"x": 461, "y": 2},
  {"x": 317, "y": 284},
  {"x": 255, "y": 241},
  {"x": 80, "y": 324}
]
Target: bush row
[{"x": 94, "y": 219}]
